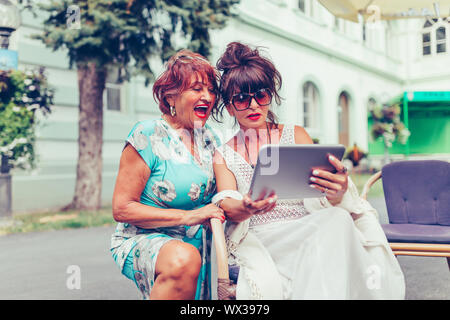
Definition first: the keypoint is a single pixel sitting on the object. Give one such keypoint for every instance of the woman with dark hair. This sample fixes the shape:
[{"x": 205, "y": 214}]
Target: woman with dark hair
[
  {"x": 165, "y": 184},
  {"x": 318, "y": 248}
]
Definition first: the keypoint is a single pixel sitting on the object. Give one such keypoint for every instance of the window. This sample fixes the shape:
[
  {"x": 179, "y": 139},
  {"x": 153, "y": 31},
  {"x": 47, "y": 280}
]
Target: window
[
  {"x": 301, "y": 5},
  {"x": 435, "y": 36},
  {"x": 364, "y": 32},
  {"x": 305, "y": 6},
  {"x": 337, "y": 23},
  {"x": 440, "y": 40},
  {"x": 426, "y": 43},
  {"x": 310, "y": 105},
  {"x": 343, "y": 114},
  {"x": 340, "y": 25},
  {"x": 113, "y": 90}
]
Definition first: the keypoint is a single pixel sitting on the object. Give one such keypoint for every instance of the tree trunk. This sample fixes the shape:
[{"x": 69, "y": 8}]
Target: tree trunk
[
  {"x": 88, "y": 188},
  {"x": 5, "y": 189}
]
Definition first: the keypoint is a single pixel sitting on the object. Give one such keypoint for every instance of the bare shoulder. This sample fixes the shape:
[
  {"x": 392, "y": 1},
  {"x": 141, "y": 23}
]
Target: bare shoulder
[{"x": 301, "y": 136}]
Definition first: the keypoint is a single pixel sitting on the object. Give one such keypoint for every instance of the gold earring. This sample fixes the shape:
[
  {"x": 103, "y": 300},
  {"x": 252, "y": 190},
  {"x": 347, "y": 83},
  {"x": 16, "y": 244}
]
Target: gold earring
[{"x": 172, "y": 111}]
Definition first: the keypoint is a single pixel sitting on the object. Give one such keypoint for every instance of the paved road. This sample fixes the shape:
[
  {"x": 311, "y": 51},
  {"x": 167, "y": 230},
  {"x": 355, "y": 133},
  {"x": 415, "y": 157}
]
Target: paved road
[{"x": 36, "y": 265}]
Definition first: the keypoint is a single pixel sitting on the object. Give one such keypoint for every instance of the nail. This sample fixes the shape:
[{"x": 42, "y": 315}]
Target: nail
[
  {"x": 312, "y": 179},
  {"x": 315, "y": 172},
  {"x": 312, "y": 186},
  {"x": 331, "y": 158}
]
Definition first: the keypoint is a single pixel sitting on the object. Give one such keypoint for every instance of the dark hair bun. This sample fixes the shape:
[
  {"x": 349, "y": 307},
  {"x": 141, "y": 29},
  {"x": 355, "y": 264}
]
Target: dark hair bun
[{"x": 236, "y": 55}]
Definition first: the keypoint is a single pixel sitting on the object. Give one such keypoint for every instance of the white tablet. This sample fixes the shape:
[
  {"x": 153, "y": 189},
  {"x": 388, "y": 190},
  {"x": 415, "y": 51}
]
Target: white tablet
[{"x": 286, "y": 169}]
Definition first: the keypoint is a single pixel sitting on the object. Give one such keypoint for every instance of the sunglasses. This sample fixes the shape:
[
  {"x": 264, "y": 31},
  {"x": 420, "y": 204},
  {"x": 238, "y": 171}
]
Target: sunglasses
[{"x": 242, "y": 101}]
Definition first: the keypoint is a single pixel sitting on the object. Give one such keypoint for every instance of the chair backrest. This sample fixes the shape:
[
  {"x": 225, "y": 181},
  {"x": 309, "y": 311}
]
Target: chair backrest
[{"x": 417, "y": 191}]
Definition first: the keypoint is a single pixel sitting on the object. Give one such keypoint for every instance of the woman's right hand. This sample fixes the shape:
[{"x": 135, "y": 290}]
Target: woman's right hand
[
  {"x": 259, "y": 206},
  {"x": 240, "y": 210},
  {"x": 203, "y": 215}
]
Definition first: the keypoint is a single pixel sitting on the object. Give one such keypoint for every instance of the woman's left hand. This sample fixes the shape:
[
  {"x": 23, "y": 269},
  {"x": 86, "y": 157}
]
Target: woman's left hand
[{"x": 334, "y": 185}]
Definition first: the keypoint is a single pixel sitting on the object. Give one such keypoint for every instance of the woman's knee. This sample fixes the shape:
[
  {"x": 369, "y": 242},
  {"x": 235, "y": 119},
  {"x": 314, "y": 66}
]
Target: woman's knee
[{"x": 178, "y": 260}]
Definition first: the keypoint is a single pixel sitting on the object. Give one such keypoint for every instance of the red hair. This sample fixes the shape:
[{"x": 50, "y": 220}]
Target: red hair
[{"x": 177, "y": 77}]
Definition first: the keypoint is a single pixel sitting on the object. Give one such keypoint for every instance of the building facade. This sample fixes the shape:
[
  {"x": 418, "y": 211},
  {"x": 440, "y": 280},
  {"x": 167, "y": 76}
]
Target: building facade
[{"x": 333, "y": 71}]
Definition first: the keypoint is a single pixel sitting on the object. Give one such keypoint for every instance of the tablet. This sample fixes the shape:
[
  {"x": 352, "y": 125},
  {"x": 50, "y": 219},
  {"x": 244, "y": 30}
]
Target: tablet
[{"x": 286, "y": 169}]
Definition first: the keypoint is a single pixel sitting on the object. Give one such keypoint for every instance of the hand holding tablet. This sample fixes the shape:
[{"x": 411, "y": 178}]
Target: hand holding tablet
[
  {"x": 286, "y": 170},
  {"x": 334, "y": 184}
]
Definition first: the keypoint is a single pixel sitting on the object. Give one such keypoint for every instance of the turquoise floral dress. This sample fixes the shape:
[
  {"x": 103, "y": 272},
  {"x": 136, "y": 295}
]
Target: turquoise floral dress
[{"x": 177, "y": 180}]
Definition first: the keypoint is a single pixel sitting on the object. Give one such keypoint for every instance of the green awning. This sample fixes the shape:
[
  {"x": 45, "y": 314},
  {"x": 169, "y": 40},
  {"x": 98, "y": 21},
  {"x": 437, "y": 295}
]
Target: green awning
[{"x": 427, "y": 115}]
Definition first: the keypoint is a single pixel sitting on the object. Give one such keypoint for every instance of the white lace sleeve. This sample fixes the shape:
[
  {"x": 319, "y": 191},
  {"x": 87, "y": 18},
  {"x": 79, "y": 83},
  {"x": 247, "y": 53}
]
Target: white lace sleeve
[{"x": 351, "y": 202}]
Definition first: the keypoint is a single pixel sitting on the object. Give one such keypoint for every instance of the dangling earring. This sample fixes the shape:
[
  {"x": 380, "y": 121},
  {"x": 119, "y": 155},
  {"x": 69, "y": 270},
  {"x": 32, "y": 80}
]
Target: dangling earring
[{"x": 172, "y": 111}]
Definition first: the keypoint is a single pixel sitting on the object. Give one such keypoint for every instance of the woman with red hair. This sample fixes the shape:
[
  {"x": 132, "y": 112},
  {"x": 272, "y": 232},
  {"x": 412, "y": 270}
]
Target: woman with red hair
[{"x": 165, "y": 184}]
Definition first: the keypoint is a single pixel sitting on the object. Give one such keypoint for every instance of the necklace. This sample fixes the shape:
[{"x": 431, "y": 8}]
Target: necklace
[{"x": 246, "y": 148}]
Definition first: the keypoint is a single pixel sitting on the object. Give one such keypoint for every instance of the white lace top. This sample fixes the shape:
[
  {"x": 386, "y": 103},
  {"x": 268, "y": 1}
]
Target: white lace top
[{"x": 243, "y": 172}]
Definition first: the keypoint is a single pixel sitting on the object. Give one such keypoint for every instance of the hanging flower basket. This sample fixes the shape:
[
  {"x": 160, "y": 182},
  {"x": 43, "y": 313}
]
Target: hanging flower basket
[{"x": 388, "y": 126}]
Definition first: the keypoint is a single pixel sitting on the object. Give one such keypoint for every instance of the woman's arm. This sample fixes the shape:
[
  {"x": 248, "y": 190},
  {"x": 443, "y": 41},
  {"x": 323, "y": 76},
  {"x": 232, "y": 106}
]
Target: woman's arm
[
  {"x": 131, "y": 180},
  {"x": 301, "y": 136},
  {"x": 237, "y": 210}
]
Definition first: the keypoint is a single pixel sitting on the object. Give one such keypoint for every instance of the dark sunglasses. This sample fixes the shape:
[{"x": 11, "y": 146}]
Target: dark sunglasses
[{"x": 242, "y": 101}]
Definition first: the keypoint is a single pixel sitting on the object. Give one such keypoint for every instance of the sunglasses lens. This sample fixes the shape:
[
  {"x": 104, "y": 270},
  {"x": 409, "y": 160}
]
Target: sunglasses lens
[
  {"x": 263, "y": 97},
  {"x": 241, "y": 101}
]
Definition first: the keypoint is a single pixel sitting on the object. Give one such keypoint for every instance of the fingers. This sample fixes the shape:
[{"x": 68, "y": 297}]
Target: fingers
[
  {"x": 327, "y": 181},
  {"x": 328, "y": 191},
  {"x": 340, "y": 168},
  {"x": 334, "y": 185},
  {"x": 326, "y": 185},
  {"x": 214, "y": 211},
  {"x": 260, "y": 206}
]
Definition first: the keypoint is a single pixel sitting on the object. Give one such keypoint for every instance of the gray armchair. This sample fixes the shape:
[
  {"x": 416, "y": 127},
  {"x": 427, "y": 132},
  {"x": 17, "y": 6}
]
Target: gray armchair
[{"x": 417, "y": 195}]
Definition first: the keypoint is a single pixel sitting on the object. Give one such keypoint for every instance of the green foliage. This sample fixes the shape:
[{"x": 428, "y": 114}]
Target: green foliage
[
  {"x": 126, "y": 33},
  {"x": 23, "y": 94},
  {"x": 387, "y": 125},
  {"x": 46, "y": 221}
]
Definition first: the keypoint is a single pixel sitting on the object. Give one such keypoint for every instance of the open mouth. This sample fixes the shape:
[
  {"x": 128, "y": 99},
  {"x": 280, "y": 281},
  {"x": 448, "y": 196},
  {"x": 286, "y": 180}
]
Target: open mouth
[
  {"x": 201, "y": 111},
  {"x": 254, "y": 116}
]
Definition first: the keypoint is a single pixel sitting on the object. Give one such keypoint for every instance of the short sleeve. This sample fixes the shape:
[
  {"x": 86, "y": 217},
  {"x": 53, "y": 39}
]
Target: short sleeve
[{"x": 139, "y": 137}]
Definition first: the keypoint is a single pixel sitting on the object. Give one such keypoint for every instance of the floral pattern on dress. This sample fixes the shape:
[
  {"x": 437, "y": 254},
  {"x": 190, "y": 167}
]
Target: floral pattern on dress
[
  {"x": 178, "y": 152},
  {"x": 159, "y": 148},
  {"x": 139, "y": 140},
  {"x": 164, "y": 190},
  {"x": 194, "y": 192}
]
